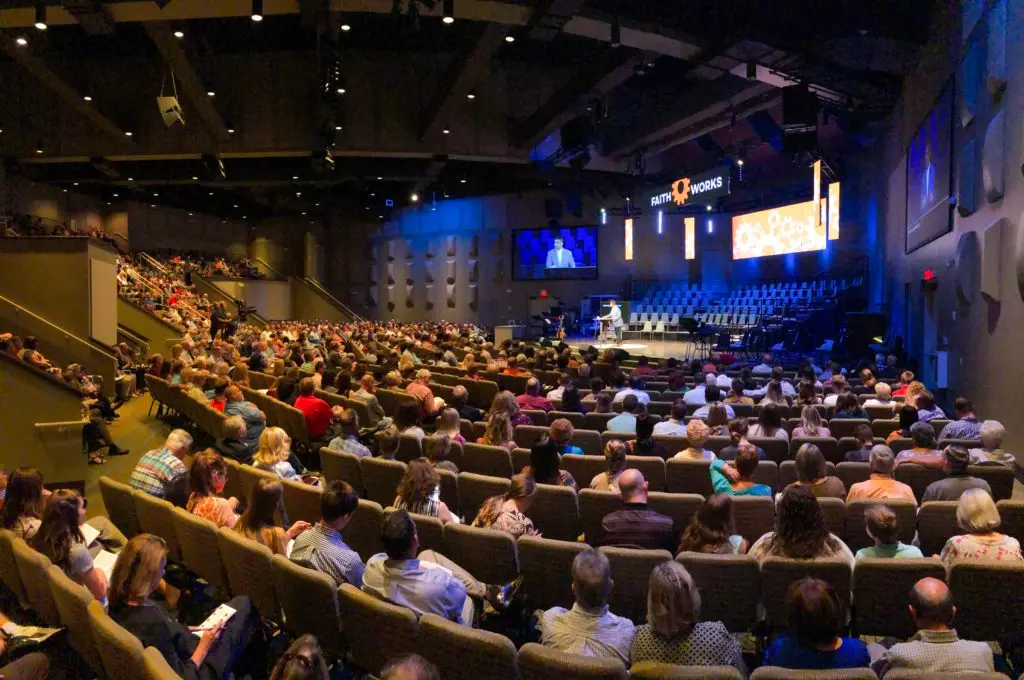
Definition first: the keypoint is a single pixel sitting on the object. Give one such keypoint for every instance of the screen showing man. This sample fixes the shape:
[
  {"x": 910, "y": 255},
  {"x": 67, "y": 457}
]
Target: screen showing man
[{"x": 559, "y": 257}]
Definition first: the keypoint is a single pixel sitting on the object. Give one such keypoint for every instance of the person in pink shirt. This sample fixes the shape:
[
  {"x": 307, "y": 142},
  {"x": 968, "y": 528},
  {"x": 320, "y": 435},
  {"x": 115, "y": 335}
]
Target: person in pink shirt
[
  {"x": 881, "y": 484},
  {"x": 425, "y": 399},
  {"x": 643, "y": 368},
  {"x": 532, "y": 400}
]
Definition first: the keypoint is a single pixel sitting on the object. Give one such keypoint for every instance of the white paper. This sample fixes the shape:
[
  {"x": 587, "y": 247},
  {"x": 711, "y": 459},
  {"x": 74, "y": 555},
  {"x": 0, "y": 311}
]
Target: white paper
[
  {"x": 105, "y": 562},
  {"x": 89, "y": 532},
  {"x": 221, "y": 613}
]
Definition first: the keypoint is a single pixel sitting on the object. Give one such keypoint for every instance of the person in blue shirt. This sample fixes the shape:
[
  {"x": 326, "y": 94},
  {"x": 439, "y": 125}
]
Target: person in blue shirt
[
  {"x": 816, "y": 618},
  {"x": 745, "y": 464},
  {"x": 561, "y": 432}
]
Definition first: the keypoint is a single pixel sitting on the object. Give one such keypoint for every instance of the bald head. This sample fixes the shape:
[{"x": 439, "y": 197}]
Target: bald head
[
  {"x": 632, "y": 486},
  {"x": 931, "y": 604}
]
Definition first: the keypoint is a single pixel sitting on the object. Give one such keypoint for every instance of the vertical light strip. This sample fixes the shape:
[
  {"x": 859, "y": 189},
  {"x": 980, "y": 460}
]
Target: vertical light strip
[
  {"x": 629, "y": 238},
  {"x": 604, "y": 216},
  {"x": 689, "y": 234},
  {"x": 817, "y": 189},
  {"x": 661, "y": 218},
  {"x": 833, "y": 211},
  {"x": 711, "y": 225}
]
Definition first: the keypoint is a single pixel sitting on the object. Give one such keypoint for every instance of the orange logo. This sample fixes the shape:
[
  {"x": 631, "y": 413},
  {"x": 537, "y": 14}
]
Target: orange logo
[{"x": 681, "y": 191}]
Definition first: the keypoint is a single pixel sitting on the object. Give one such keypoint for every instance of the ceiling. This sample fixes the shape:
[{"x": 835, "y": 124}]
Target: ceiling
[{"x": 408, "y": 104}]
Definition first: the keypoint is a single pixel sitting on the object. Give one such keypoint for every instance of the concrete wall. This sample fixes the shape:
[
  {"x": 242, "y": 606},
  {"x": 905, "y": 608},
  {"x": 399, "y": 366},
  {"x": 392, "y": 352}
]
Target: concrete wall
[
  {"x": 272, "y": 299},
  {"x": 982, "y": 334},
  {"x": 309, "y": 303},
  {"x": 158, "y": 333}
]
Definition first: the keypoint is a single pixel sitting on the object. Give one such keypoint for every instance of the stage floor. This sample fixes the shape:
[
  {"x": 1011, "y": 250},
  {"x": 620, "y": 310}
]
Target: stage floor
[{"x": 661, "y": 349}]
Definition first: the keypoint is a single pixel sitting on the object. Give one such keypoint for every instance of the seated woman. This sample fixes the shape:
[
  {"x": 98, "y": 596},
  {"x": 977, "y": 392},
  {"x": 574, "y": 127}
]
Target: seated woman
[
  {"x": 712, "y": 529},
  {"x": 448, "y": 423},
  {"x": 738, "y": 430},
  {"x": 774, "y": 395},
  {"x": 436, "y": 448},
  {"x": 258, "y": 523},
  {"x": 978, "y": 517},
  {"x": 545, "y": 464},
  {"x": 812, "y": 472},
  {"x": 882, "y": 526},
  {"x": 615, "y": 459},
  {"x": 207, "y": 477},
  {"x": 498, "y": 432},
  {"x": 810, "y": 424},
  {"x": 408, "y": 421},
  {"x": 991, "y": 450},
  {"x": 277, "y": 369},
  {"x": 571, "y": 402},
  {"x": 60, "y": 539},
  {"x": 907, "y": 416},
  {"x": 137, "y": 573},
  {"x": 924, "y": 451},
  {"x": 507, "y": 512},
  {"x": 240, "y": 374},
  {"x": 745, "y": 465},
  {"x": 718, "y": 421},
  {"x": 286, "y": 387},
  {"x": 419, "y": 492},
  {"x": 848, "y": 407},
  {"x": 697, "y": 434},
  {"x": 807, "y": 395},
  {"x": 603, "y": 403},
  {"x": 505, "y": 402},
  {"x": 813, "y": 641},
  {"x": 673, "y": 633},
  {"x": 303, "y": 660},
  {"x": 736, "y": 395},
  {"x": 645, "y": 444},
  {"x": 800, "y": 531},
  {"x": 273, "y": 453},
  {"x": 769, "y": 424}
]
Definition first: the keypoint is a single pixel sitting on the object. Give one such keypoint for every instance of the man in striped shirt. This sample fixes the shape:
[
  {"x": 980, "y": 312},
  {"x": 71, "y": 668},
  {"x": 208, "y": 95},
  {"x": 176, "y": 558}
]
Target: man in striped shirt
[
  {"x": 161, "y": 473},
  {"x": 322, "y": 547},
  {"x": 589, "y": 629}
]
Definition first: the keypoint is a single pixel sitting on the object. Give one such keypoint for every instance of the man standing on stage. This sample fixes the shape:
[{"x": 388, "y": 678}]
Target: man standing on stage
[
  {"x": 559, "y": 257},
  {"x": 615, "y": 316}
]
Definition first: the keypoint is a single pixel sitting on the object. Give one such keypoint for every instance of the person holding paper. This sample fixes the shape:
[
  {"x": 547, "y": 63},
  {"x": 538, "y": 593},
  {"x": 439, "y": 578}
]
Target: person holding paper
[
  {"x": 60, "y": 539},
  {"x": 211, "y": 651}
]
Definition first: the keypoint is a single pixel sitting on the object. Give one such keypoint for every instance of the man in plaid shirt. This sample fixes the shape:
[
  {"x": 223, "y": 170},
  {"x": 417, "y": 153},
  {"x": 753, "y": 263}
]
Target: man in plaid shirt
[{"x": 161, "y": 473}]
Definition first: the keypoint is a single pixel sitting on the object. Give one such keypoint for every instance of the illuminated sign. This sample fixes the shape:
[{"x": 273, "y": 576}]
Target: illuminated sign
[
  {"x": 700, "y": 188},
  {"x": 689, "y": 234},
  {"x": 833, "y": 211},
  {"x": 629, "y": 238},
  {"x": 817, "y": 186},
  {"x": 788, "y": 229}
]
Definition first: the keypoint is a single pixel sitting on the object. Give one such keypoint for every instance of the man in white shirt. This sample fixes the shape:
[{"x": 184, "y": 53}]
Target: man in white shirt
[
  {"x": 724, "y": 381},
  {"x": 675, "y": 426},
  {"x": 615, "y": 317},
  {"x": 625, "y": 421},
  {"x": 763, "y": 368},
  {"x": 558, "y": 257},
  {"x": 838, "y": 386},
  {"x": 695, "y": 397},
  {"x": 589, "y": 629},
  {"x": 633, "y": 389},
  {"x": 564, "y": 381},
  {"x": 779, "y": 376},
  {"x": 713, "y": 395}
]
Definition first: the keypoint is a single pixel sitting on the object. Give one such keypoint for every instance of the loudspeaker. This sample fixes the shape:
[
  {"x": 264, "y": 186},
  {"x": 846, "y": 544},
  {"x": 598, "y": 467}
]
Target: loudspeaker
[
  {"x": 799, "y": 107},
  {"x": 577, "y": 133},
  {"x": 553, "y": 208}
]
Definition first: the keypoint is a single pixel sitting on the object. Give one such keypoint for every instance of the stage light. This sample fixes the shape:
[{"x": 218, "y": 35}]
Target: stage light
[
  {"x": 445, "y": 131},
  {"x": 195, "y": 178},
  {"x": 740, "y": 162},
  {"x": 414, "y": 197},
  {"x": 510, "y": 38},
  {"x": 74, "y": 184},
  {"x": 448, "y": 11},
  {"x": 604, "y": 216},
  {"x": 179, "y": 35},
  {"x": 470, "y": 96},
  {"x": 131, "y": 179},
  {"x": 295, "y": 177},
  {"x": 21, "y": 41},
  {"x": 231, "y": 131},
  {"x": 116, "y": 195},
  {"x": 338, "y": 128},
  {"x": 40, "y": 16},
  {"x": 211, "y": 93},
  {"x": 379, "y": 178},
  {"x": 257, "y": 10},
  {"x": 87, "y": 98},
  {"x": 616, "y": 32},
  {"x": 709, "y": 208},
  {"x": 661, "y": 218},
  {"x": 340, "y": 90},
  {"x": 462, "y": 181}
]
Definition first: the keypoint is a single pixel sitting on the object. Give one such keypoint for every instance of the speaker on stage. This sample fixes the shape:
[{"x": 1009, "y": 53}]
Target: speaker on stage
[{"x": 620, "y": 354}]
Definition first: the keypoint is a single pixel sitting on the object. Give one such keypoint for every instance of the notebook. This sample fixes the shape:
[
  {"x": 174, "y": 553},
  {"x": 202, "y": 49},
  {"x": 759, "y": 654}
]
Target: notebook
[
  {"x": 221, "y": 613},
  {"x": 105, "y": 562},
  {"x": 89, "y": 533}
]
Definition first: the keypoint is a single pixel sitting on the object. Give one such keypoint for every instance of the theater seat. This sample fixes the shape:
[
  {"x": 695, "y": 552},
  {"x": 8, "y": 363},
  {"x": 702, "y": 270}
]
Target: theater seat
[
  {"x": 555, "y": 512},
  {"x": 491, "y": 461},
  {"x": 9, "y": 568},
  {"x": 375, "y": 630},
  {"x": 989, "y": 598},
  {"x": 778, "y": 573},
  {"x": 735, "y": 582},
  {"x": 488, "y": 554},
  {"x": 546, "y": 566},
  {"x": 777, "y": 673},
  {"x": 344, "y": 466},
  {"x": 649, "y": 670},
  {"x": 631, "y": 570},
  {"x": 117, "y": 499},
  {"x": 72, "y": 602},
  {"x": 463, "y": 653},
  {"x": 936, "y": 523},
  {"x": 310, "y": 604},
  {"x": 362, "y": 533},
  {"x": 537, "y": 662},
  {"x": 32, "y": 568},
  {"x": 249, "y": 572},
  {"x": 880, "y": 586},
  {"x": 199, "y": 547},
  {"x": 120, "y": 651}
]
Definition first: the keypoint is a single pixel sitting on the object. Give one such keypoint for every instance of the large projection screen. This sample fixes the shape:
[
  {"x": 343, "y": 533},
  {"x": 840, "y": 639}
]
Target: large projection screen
[{"x": 792, "y": 228}]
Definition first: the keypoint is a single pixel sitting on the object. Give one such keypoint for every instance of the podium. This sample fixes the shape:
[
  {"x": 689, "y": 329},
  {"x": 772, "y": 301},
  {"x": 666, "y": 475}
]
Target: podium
[{"x": 503, "y": 333}]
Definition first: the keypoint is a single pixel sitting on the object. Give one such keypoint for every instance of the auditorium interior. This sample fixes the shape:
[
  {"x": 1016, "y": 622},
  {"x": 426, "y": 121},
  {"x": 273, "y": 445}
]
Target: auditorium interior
[{"x": 516, "y": 339}]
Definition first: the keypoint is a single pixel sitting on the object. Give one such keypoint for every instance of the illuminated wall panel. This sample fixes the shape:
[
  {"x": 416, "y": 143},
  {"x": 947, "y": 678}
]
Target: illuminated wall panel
[
  {"x": 689, "y": 236},
  {"x": 787, "y": 229},
  {"x": 833, "y": 211},
  {"x": 629, "y": 238},
  {"x": 817, "y": 188}
]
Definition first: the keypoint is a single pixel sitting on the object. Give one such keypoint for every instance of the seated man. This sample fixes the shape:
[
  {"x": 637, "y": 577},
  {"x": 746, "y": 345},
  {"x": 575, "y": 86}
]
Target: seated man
[
  {"x": 695, "y": 397},
  {"x": 161, "y": 473},
  {"x": 712, "y": 396},
  {"x": 564, "y": 380},
  {"x": 531, "y": 400},
  {"x": 923, "y": 452},
  {"x": 319, "y": 414},
  {"x": 927, "y": 409},
  {"x": 883, "y": 395},
  {"x": 322, "y": 547},
  {"x": 966, "y": 425},
  {"x": 883, "y": 527},
  {"x": 675, "y": 426},
  {"x": 636, "y": 525},
  {"x": 232, "y": 443},
  {"x": 255, "y": 419},
  {"x": 881, "y": 484},
  {"x": 740, "y": 483},
  {"x": 625, "y": 421},
  {"x": 366, "y": 394},
  {"x": 419, "y": 388},
  {"x": 589, "y": 629},
  {"x": 956, "y": 460},
  {"x": 635, "y": 384},
  {"x": 561, "y": 432},
  {"x": 460, "y": 402},
  {"x": 643, "y": 368},
  {"x": 348, "y": 440},
  {"x": 763, "y": 368},
  {"x": 935, "y": 648},
  {"x": 865, "y": 442}
]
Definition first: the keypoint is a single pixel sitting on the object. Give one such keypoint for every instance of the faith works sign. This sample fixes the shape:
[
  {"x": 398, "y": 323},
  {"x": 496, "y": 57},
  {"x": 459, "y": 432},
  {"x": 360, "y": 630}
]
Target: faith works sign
[{"x": 701, "y": 188}]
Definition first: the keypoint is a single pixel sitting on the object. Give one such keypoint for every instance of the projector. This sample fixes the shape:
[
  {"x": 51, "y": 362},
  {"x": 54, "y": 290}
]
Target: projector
[{"x": 170, "y": 110}]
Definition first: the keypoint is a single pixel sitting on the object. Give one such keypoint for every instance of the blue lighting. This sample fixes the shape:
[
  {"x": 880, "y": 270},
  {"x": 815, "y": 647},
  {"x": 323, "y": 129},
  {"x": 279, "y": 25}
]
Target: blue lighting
[
  {"x": 389, "y": 203},
  {"x": 711, "y": 226},
  {"x": 661, "y": 217},
  {"x": 604, "y": 216}
]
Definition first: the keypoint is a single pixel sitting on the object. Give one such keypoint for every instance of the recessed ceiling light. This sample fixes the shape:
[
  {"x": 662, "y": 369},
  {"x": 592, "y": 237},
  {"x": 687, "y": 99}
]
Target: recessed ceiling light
[
  {"x": 21, "y": 41},
  {"x": 449, "y": 20},
  {"x": 179, "y": 35},
  {"x": 373, "y": 193},
  {"x": 131, "y": 179},
  {"x": 317, "y": 205},
  {"x": 210, "y": 194},
  {"x": 87, "y": 98},
  {"x": 470, "y": 96},
  {"x": 116, "y": 195},
  {"x": 338, "y": 128},
  {"x": 39, "y": 150},
  {"x": 244, "y": 217},
  {"x": 257, "y": 10},
  {"x": 415, "y": 197},
  {"x": 40, "y": 16},
  {"x": 155, "y": 194},
  {"x": 462, "y": 181},
  {"x": 303, "y": 212},
  {"x": 298, "y": 193},
  {"x": 379, "y": 178},
  {"x": 194, "y": 178},
  {"x": 294, "y": 177},
  {"x": 380, "y": 217},
  {"x": 231, "y": 131},
  {"x": 128, "y": 133},
  {"x": 65, "y": 191},
  {"x": 211, "y": 93},
  {"x": 446, "y": 131},
  {"x": 190, "y": 214},
  {"x": 510, "y": 38},
  {"x": 74, "y": 184},
  {"x": 346, "y": 27},
  {"x": 340, "y": 90}
]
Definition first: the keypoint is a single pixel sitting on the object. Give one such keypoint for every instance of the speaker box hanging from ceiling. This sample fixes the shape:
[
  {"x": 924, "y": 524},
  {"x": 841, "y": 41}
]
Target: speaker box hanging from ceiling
[{"x": 800, "y": 109}]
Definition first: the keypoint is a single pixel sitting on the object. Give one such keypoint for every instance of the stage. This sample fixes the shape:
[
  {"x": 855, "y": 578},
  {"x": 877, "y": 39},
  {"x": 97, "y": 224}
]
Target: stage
[{"x": 661, "y": 349}]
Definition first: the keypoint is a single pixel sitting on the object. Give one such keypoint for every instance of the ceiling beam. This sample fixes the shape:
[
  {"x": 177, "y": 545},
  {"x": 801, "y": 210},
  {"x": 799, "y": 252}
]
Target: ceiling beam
[
  {"x": 550, "y": 17},
  {"x": 432, "y": 173},
  {"x": 65, "y": 92},
  {"x": 462, "y": 75},
  {"x": 601, "y": 75},
  {"x": 92, "y": 16},
  {"x": 175, "y": 58}
]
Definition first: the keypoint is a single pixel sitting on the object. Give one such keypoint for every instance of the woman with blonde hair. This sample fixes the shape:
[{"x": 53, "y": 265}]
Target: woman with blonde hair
[
  {"x": 914, "y": 390},
  {"x": 498, "y": 432},
  {"x": 277, "y": 369},
  {"x": 978, "y": 517},
  {"x": 507, "y": 512},
  {"x": 774, "y": 395},
  {"x": 697, "y": 434},
  {"x": 420, "y": 492},
  {"x": 674, "y": 633},
  {"x": 240, "y": 374},
  {"x": 505, "y": 402},
  {"x": 448, "y": 423},
  {"x": 272, "y": 454},
  {"x": 615, "y": 459},
  {"x": 207, "y": 477},
  {"x": 258, "y": 522},
  {"x": 810, "y": 424},
  {"x": 137, "y": 573}
]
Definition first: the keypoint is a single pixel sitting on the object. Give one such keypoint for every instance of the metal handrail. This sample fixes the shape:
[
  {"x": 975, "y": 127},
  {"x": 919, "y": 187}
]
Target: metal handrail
[
  {"x": 160, "y": 294},
  {"x": 267, "y": 265},
  {"x": 326, "y": 293}
]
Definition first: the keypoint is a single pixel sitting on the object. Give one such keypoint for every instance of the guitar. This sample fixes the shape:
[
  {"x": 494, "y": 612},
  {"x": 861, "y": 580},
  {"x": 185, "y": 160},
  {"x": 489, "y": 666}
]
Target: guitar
[{"x": 560, "y": 333}]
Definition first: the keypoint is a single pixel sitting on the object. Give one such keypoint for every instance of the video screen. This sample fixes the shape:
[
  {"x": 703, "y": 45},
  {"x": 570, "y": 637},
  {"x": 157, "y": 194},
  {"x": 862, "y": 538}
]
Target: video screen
[
  {"x": 786, "y": 229},
  {"x": 554, "y": 253},
  {"x": 929, "y": 214}
]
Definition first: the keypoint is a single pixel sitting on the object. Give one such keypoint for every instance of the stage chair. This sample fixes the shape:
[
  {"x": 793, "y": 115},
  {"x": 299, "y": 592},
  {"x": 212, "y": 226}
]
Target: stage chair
[
  {"x": 679, "y": 506},
  {"x": 999, "y": 478},
  {"x": 546, "y": 565},
  {"x": 651, "y": 467},
  {"x": 767, "y": 473},
  {"x": 828, "y": 445},
  {"x": 460, "y": 652},
  {"x": 156, "y": 665},
  {"x": 834, "y": 510},
  {"x": 537, "y": 662},
  {"x": 883, "y": 428},
  {"x": 72, "y": 601},
  {"x": 584, "y": 468},
  {"x": 577, "y": 419},
  {"x": 901, "y": 444},
  {"x": 734, "y": 581},
  {"x": 787, "y": 472},
  {"x": 594, "y": 506},
  {"x": 302, "y": 501},
  {"x": 450, "y": 490},
  {"x": 521, "y": 458},
  {"x": 845, "y": 427}
]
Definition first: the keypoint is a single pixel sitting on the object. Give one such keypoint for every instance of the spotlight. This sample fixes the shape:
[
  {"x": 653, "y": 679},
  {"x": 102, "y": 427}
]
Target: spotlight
[
  {"x": 340, "y": 90},
  {"x": 345, "y": 26},
  {"x": 40, "y": 16},
  {"x": 231, "y": 131},
  {"x": 87, "y": 98},
  {"x": 338, "y": 128},
  {"x": 74, "y": 184},
  {"x": 616, "y": 32},
  {"x": 740, "y": 162},
  {"x": 510, "y": 38},
  {"x": 128, "y": 133},
  {"x": 446, "y": 131},
  {"x": 21, "y": 42},
  {"x": 379, "y": 178},
  {"x": 131, "y": 179},
  {"x": 195, "y": 178},
  {"x": 709, "y": 207},
  {"x": 257, "y": 10},
  {"x": 471, "y": 96},
  {"x": 179, "y": 35},
  {"x": 39, "y": 149},
  {"x": 295, "y": 177},
  {"x": 116, "y": 195},
  {"x": 211, "y": 93},
  {"x": 448, "y": 11},
  {"x": 415, "y": 197},
  {"x": 462, "y": 181}
]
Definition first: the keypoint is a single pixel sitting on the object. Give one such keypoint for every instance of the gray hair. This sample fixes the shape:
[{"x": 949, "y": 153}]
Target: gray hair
[
  {"x": 710, "y": 379},
  {"x": 976, "y": 512},
  {"x": 232, "y": 425},
  {"x": 882, "y": 460},
  {"x": 179, "y": 440},
  {"x": 992, "y": 433},
  {"x": 673, "y": 601},
  {"x": 583, "y": 371}
]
